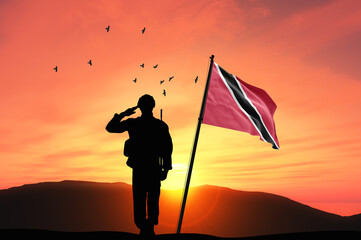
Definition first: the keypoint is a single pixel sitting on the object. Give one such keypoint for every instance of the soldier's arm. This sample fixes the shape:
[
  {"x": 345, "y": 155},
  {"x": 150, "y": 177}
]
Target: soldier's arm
[{"x": 115, "y": 125}]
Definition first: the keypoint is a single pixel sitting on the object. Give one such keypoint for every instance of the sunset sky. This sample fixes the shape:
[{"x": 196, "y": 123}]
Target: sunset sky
[{"x": 305, "y": 54}]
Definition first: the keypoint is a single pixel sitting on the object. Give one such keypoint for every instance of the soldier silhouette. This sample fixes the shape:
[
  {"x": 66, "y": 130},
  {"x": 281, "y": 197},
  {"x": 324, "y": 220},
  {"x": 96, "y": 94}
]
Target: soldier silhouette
[{"x": 149, "y": 149}]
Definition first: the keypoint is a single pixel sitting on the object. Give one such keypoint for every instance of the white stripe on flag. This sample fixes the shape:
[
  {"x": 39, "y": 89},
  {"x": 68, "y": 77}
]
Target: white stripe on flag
[
  {"x": 260, "y": 116},
  {"x": 234, "y": 98}
]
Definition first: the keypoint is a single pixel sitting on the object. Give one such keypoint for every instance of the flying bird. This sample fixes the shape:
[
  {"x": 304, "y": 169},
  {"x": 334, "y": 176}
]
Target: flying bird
[
  {"x": 142, "y": 65},
  {"x": 90, "y": 62},
  {"x": 161, "y": 81},
  {"x": 107, "y": 28},
  {"x": 56, "y": 68},
  {"x": 135, "y": 80},
  {"x": 171, "y": 78},
  {"x": 143, "y": 30},
  {"x": 164, "y": 92},
  {"x": 155, "y": 66},
  {"x": 195, "y": 80}
]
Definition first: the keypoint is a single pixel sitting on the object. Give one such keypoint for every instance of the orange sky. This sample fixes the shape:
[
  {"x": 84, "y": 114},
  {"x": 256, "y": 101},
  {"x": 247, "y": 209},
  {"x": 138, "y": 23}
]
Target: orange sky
[{"x": 305, "y": 54}]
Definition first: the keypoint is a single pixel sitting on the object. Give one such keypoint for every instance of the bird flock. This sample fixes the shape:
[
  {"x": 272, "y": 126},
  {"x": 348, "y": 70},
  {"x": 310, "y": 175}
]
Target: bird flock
[
  {"x": 142, "y": 65},
  {"x": 161, "y": 81}
]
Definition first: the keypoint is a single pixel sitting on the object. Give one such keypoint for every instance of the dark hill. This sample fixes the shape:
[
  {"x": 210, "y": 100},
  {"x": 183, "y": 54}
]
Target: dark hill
[
  {"x": 68, "y": 206},
  {"x": 45, "y": 234},
  {"x": 87, "y": 207}
]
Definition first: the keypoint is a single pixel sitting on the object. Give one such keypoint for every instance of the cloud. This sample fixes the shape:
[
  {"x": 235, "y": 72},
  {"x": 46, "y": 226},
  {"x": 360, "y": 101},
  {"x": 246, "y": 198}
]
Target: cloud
[
  {"x": 322, "y": 33},
  {"x": 67, "y": 155},
  {"x": 342, "y": 56}
]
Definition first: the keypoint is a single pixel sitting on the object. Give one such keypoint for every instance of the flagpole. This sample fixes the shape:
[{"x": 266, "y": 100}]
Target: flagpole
[{"x": 200, "y": 119}]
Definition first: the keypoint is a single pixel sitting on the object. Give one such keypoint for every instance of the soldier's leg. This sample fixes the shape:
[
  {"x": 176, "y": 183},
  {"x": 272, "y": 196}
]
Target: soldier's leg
[
  {"x": 153, "y": 204},
  {"x": 139, "y": 201}
]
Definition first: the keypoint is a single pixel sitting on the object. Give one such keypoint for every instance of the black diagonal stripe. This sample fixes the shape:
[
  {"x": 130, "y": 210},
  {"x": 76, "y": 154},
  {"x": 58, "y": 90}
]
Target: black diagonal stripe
[{"x": 247, "y": 107}]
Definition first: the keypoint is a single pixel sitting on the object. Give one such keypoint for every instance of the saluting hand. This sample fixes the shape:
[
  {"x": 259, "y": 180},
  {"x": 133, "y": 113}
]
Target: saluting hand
[{"x": 129, "y": 111}]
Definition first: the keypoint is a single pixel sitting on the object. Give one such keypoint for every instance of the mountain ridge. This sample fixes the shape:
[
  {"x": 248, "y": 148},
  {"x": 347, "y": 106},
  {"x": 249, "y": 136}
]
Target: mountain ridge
[{"x": 71, "y": 205}]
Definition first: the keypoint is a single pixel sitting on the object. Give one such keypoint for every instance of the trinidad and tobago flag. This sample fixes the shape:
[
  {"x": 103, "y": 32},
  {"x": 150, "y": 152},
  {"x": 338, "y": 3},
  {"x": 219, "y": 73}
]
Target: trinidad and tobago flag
[{"x": 232, "y": 103}]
